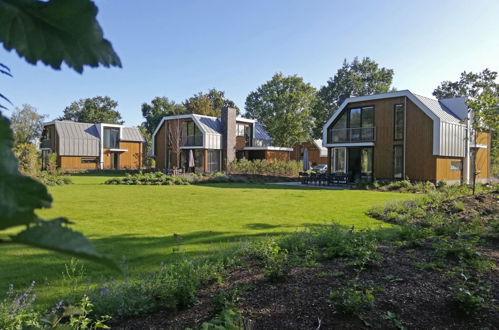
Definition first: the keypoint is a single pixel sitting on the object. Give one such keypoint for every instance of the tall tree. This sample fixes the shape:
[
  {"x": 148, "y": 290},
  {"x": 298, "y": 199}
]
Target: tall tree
[
  {"x": 482, "y": 98},
  {"x": 209, "y": 104},
  {"x": 27, "y": 124},
  {"x": 284, "y": 105},
  {"x": 159, "y": 107},
  {"x": 358, "y": 78},
  {"x": 99, "y": 109}
]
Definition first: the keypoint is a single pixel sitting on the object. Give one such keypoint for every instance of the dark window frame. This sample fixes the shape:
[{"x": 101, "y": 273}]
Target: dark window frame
[
  {"x": 89, "y": 160},
  {"x": 348, "y": 126},
  {"x": 110, "y": 146},
  {"x": 395, "y": 138}
]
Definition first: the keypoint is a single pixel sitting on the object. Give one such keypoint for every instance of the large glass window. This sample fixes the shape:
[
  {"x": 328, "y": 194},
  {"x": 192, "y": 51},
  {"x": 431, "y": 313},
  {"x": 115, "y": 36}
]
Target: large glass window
[
  {"x": 356, "y": 124},
  {"x": 339, "y": 160},
  {"x": 191, "y": 135},
  {"x": 398, "y": 118},
  {"x": 398, "y": 161},
  {"x": 111, "y": 138},
  {"x": 214, "y": 160}
]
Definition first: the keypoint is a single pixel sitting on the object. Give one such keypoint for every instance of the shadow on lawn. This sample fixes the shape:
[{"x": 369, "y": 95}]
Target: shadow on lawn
[
  {"x": 142, "y": 254},
  {"x": 264, "y": 186}
]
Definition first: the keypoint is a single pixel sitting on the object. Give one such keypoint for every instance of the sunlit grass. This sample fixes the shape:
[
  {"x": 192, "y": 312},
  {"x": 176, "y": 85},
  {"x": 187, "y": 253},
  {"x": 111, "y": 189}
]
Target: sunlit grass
[{"x": 138, "y": 223}]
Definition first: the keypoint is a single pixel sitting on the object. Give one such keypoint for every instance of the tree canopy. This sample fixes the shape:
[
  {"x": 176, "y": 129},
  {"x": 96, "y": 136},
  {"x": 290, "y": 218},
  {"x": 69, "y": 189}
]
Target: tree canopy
[
  {"x": 482, "y": 97},
  {"x": 157, "y": 109},
  {"x": 357, "y": 78},
  {"x": 208, "y": 104},
  {"x": 99, "y": 109},
  {"x": 284, "y": 105},
  {"x": 27, "y": 124}
]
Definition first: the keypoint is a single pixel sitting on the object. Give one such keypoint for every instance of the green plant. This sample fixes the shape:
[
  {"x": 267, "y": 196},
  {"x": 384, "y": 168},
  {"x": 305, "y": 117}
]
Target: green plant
[
  {"x": 227, "y": 320},
  {"x": 17, "y": 312},
  {"x": 396, "y": 322},
  {"x": 353, "y": 299},
  {"x": 228, "y": 298},
  {"x": 458, "y": 206},
  {"x": 473, "y": 295}
]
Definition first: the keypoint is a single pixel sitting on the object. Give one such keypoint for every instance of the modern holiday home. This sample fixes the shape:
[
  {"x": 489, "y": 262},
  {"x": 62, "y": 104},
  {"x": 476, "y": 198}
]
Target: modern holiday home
[
  {"x": 92, "y": 146},
  {"x": 208, "y": 144},
  {"x": 404, "y": 135}
]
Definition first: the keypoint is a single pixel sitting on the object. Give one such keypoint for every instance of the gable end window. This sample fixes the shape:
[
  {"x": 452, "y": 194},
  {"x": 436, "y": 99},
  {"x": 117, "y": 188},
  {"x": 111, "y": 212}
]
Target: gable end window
[{"x": 398, "y": 122}]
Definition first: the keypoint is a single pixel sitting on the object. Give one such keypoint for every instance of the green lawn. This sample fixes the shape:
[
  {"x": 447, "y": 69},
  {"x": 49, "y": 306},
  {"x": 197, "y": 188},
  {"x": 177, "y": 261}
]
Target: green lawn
[{"x": 138, "y": 222}]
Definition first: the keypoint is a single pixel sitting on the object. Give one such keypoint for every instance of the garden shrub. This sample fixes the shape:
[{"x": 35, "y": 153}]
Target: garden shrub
[
  {"x": 17, "y": 312},
  {"x": 29, "y": 159},
  {"x": 173, "y": 286},
  {"x": 53, "y": 179},
  {"x": 264, "y": 167},
  {"x": 152, "y": 178}
]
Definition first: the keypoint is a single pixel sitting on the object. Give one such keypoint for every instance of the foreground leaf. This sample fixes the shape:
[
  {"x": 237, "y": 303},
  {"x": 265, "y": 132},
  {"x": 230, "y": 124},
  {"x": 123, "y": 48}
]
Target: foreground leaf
[
  {"x": 52, "y": 235},
  {"x": 19, "y": 195},
  {"x": 56, "y": 31}
]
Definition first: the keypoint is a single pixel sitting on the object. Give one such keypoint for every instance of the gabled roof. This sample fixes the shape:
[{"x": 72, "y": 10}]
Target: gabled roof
[
  {"x": 439, "y": 109},
  {"x": 132, "y": 134},
  {"x": 211, "y": 125}
]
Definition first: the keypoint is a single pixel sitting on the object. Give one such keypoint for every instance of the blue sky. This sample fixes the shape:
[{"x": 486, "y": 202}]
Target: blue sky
[{"x": 177, "y": 48}]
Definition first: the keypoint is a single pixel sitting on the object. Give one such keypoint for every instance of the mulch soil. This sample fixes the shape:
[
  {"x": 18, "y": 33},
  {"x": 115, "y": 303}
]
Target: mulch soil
[{"x": 421, "y": 299}]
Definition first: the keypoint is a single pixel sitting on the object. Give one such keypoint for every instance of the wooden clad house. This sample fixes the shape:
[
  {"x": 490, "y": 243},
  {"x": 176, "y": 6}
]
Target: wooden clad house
[
  {"x": 92, "y": 146},
  {"x": 404, "y": 135},
  {"x": 214, "y": 142},
  {"x": 317, "y": 154}
]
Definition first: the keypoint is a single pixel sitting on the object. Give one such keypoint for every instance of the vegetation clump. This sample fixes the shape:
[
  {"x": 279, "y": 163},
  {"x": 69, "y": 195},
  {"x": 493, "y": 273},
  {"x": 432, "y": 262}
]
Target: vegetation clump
[
  {"x": 264, "y": 167},
  {"x": 153, "y": 178}
]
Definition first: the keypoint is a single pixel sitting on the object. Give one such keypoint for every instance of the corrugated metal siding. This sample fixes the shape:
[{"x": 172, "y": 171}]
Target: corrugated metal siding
[
  {"x": 77, "y": 139},
  {"x": 452, "y": 139}
]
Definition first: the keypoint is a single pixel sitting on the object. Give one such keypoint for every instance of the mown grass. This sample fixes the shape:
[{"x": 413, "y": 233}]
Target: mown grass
[{"x": 138, "y": 223}]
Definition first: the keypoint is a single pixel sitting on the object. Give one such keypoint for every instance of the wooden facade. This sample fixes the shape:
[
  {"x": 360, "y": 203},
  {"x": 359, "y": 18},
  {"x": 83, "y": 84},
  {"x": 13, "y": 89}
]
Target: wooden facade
[{"x": 78, "y": 162}]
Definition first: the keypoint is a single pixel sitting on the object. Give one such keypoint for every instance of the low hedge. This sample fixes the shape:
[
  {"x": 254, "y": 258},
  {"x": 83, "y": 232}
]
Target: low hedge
[{"x": 156, "y": 178}]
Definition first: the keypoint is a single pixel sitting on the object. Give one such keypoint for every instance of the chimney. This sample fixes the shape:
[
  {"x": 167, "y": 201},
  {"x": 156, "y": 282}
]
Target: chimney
[{"x": 228, "y": 121}]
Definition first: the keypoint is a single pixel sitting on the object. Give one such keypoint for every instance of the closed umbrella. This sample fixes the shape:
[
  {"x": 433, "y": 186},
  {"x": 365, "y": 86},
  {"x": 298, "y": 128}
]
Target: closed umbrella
[
  {"x": 191, "y": 159},
  {"x": 306, "y": 166}
]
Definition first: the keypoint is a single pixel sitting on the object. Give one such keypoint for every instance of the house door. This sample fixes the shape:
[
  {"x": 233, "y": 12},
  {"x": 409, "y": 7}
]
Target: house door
[
  {"x": 115, "y": 159},
  {"x": 354, "y": 163}
]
